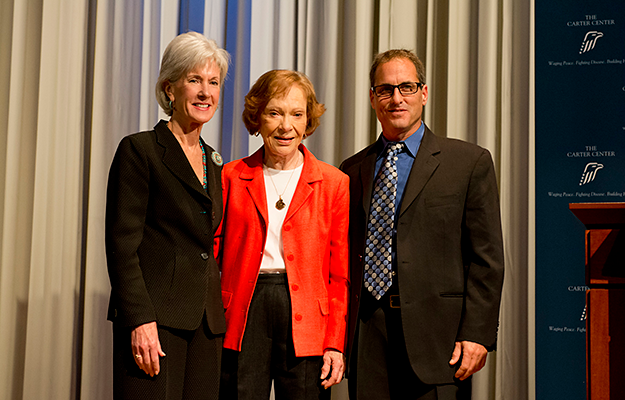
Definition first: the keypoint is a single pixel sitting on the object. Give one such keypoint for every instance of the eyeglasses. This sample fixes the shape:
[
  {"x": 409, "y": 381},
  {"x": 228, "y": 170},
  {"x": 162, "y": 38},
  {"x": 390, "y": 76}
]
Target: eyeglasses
[{"x": 405, "y": 89}]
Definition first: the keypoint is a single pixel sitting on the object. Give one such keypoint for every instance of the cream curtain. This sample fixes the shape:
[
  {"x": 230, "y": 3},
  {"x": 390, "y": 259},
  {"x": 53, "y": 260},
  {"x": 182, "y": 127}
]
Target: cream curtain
[
  {"x": 127, "y": 46},
  {"x": 41, "y": 202},
  {"x": 79, "y": 75}
]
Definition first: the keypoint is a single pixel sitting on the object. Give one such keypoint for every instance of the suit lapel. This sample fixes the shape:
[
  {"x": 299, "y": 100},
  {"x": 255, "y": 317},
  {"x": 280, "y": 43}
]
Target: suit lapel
[
  {"x": 252, "y": 172},
  {"x": 425, "y": 164},
  {"x": 176, "y": 161},
  {"x": 310, "y": 174},
  {"x": 367, "y": 178},
  {"x": 213, "y": 177},
  {"x": 213, "y": 174}
]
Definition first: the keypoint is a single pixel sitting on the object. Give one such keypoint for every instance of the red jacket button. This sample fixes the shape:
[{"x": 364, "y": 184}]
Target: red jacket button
[
  {"x": 298, "y": 317},
  {"x": 290, "y": 257},
  {"x": 294, "y": 287}
]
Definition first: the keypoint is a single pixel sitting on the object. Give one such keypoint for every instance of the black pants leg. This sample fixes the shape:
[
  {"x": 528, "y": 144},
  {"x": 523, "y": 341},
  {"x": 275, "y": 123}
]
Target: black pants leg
[
  {"x": 190, "y": 370},
  {"x": 267, "y": 352},
  {"x": 382, "y": 368}
]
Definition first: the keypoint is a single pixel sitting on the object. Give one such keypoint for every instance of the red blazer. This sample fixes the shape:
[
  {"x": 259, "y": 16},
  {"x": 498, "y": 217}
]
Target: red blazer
[{"x": 315, "y": 237}]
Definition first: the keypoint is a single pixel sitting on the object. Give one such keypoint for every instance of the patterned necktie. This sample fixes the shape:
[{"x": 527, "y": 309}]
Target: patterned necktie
[{"x": 380, "y": 227}]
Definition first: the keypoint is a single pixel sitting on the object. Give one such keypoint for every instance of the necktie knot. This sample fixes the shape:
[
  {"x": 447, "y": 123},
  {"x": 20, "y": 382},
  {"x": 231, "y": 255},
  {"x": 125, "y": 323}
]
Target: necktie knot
[{"x": 394, "y": 148}]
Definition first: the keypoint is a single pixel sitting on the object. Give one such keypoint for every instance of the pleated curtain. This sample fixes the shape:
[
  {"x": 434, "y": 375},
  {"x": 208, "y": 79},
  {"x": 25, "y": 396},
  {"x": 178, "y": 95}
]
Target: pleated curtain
[{"x": 79, "y": 75}]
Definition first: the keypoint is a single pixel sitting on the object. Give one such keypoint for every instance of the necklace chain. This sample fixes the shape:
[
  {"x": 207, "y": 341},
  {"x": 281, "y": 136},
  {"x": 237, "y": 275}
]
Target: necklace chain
[{"x": 280, "y": 204}]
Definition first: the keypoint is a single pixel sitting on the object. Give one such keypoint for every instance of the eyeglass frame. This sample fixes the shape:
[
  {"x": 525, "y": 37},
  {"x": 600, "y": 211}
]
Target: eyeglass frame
[{"x": 419, "y": 86}]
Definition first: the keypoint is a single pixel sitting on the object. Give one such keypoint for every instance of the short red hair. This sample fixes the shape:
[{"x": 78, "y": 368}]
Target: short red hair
[{"x": 277, "y": 83}]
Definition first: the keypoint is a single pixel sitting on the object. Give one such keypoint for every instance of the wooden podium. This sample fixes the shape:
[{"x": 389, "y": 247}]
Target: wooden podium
[{"x": 605, "y": 301}]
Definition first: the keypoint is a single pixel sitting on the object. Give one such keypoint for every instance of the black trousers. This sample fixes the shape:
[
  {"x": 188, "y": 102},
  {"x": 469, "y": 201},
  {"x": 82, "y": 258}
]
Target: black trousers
[
  {"x": 381, "y": 369},
  {"x": 267, "y": 353},
  {"x": 190, "y": 370}
]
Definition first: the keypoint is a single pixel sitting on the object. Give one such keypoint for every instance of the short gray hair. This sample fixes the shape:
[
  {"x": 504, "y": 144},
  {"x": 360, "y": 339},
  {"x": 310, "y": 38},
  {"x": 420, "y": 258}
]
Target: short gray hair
[{"x": 184, "y": 53}]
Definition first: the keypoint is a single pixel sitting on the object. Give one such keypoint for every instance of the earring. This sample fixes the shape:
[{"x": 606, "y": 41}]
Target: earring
[
  {"x": 171, "y": 104},
  {"x": 256, "y": 134}
]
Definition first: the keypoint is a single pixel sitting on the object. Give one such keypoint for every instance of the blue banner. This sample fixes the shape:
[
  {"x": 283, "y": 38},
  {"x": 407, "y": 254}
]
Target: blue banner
[{"x": 580, "y": 157}]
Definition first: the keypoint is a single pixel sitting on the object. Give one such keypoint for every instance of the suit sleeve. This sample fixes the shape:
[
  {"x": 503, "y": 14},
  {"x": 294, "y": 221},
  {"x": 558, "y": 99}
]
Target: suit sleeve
[
  {"x": 126, "y": 209},
  {"x": 482, "y": 256},
  {"x": 339, "y": 269}
]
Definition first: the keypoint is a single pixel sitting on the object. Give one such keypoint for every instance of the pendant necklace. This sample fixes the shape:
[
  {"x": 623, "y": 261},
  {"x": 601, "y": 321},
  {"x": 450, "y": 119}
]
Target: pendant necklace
[{"x": 280, "y": 204}]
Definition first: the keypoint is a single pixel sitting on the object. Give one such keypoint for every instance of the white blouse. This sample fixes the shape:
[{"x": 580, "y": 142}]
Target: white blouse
[{"x": 278, "y": 184}]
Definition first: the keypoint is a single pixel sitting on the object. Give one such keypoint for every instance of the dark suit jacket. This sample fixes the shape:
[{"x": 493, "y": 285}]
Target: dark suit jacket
[
  {"x": 449, "y": 249},
  {"x": 160, "y": 224}
]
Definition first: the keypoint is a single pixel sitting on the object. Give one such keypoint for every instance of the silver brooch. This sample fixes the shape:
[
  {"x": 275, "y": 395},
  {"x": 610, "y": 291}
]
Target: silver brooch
[{"x": 217, "y": 159}]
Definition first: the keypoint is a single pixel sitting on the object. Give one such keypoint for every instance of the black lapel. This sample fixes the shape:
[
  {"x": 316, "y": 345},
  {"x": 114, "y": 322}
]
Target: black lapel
[
  {"x": 213, "y": 172},
  {"x": 367, "y": 171},
  {"x": 425, "y": 164},
  {"x": 176, "y": 161}
]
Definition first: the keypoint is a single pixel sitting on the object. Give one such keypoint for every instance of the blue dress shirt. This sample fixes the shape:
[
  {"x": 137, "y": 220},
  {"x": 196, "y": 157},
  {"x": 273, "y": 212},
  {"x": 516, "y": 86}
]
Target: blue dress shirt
[{"x": 405, "y": 159}]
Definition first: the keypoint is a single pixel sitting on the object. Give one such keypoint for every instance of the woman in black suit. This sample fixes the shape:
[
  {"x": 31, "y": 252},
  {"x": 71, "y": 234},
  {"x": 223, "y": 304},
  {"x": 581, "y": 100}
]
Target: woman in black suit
[{"x": 164, "y": 203}]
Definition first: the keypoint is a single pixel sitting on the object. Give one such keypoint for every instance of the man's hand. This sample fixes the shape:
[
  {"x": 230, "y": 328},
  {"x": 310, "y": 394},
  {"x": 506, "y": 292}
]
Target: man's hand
[
  {"x": 473, "y": 358},
  {"x": 146, "y": 348},
  {"x": 333, "y": 364}
]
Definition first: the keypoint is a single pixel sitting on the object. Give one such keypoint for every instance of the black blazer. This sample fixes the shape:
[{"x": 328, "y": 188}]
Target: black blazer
[
  {"x": 449, "y": 249},
  {"x": 160, "y": 224}
]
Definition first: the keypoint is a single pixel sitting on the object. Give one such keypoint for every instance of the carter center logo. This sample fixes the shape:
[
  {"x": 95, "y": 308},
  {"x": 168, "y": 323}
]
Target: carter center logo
[
  {"x": 590, "y": 172},
  {"x": 589, "y": 42}
]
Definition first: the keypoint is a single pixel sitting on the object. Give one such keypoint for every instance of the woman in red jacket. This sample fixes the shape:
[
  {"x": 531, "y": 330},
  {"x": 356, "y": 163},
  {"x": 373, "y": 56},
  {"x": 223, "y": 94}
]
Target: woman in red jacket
[{"x": 282, "y": 250}]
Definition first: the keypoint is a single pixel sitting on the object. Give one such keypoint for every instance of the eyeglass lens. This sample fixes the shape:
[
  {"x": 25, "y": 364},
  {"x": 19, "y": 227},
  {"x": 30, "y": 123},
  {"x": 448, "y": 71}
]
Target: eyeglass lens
[{"x": 404, "y": 89}]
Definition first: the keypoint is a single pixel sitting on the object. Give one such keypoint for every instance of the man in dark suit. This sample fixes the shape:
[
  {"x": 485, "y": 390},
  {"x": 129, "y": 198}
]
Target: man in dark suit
[{"x": 426, "y": 249}]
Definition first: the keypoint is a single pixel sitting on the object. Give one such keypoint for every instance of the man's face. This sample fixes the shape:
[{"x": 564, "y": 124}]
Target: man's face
[{"x": 399, "y": 115}]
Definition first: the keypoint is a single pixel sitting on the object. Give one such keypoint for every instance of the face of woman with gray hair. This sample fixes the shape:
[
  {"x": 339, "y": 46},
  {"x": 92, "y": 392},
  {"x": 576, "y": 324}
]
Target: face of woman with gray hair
[
  {"x": 195, "y": 96},
  {"x": 188, "y": 57}
]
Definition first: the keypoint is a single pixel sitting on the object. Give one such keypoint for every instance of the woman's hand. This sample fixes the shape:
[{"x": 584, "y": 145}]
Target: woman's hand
[
  {"x": 147, "y": 348},
  {"x": 333, "y": 368}
]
